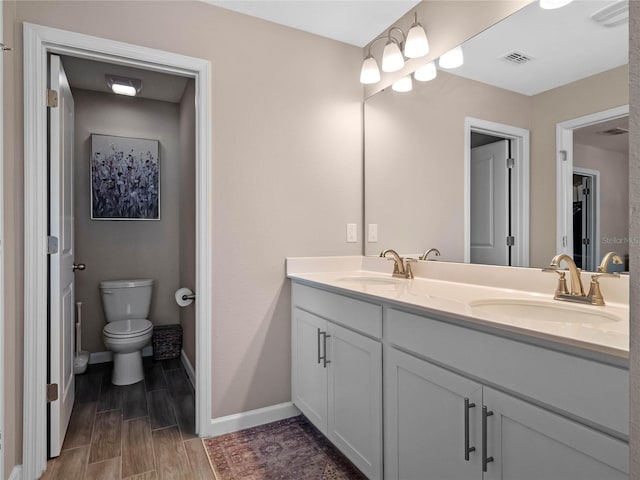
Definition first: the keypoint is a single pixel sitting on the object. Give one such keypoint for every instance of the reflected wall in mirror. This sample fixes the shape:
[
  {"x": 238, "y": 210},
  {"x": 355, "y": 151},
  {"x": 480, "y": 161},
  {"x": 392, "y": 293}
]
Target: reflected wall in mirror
[{"x": 415, "y": 143}]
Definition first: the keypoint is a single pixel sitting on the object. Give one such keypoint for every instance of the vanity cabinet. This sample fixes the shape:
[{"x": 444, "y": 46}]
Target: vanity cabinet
[
  {"x": 434, "y": 423},
  {"x": 337, "y": 373}
]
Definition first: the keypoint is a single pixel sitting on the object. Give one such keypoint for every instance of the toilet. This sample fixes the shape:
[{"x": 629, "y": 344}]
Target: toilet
[{"x": 126, "y": 307}]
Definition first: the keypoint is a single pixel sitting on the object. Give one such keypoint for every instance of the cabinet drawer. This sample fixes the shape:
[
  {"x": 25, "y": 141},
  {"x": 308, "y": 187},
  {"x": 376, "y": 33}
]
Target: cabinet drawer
[
  {"x": 355, "y": 314},
  {"x": 592, "y": 392}
]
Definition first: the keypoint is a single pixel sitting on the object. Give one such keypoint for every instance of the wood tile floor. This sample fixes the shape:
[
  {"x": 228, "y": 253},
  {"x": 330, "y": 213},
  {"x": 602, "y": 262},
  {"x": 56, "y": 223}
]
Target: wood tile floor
[{"x": 142, "y": 431}]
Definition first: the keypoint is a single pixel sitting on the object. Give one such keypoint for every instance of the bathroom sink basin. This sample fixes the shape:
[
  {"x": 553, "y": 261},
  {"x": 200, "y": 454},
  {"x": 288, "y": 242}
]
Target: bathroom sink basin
[
  {"x": 365, "y": 280},
  {"x": 543, "y": 311}
]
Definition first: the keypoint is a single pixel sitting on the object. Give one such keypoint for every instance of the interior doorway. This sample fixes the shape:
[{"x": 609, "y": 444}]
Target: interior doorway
[
  {"x": 496, "y": 193},
  {"x": 39, "y": 42},
  {"x": 586, "y": 216}
]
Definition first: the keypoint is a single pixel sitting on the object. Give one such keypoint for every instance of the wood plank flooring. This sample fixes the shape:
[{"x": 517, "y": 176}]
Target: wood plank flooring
[{"x": 143, "y": 431}]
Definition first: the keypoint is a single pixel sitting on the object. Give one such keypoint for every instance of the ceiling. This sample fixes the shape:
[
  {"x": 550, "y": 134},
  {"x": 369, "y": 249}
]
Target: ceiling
[
  {"x": 90, "y": 75},
  {"x": 355, "y": 22},
  {"x": 592, "y": 135},
  {"x": 565, "y": 45}
]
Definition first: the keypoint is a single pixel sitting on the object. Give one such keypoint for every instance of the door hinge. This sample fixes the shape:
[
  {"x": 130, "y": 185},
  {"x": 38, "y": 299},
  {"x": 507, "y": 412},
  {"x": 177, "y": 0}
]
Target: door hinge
[
  {"x": 563, "y": 155},
  {"x": 586, "y": 241},
  {"x": 52, "y": 245},
  {"x": 511, "y": 241},
  {"x": 511, "y": 162},
  {"x": 564, "y": 241},
  {"x": 52, "y": 98},
  {"x": 586, "y": 191},
  {"x": 52, "y": 392}
]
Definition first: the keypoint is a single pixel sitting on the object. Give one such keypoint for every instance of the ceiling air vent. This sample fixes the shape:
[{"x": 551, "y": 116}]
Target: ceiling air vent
[
  {"x": 517, "y": 58},
  {"x": 614, "y": 14},
  {"x": 614, "y": 131}
]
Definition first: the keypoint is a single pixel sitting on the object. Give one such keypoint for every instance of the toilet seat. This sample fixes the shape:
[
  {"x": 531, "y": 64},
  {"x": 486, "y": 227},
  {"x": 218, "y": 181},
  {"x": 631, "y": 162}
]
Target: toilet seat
[{"x": 128, "y": 328}]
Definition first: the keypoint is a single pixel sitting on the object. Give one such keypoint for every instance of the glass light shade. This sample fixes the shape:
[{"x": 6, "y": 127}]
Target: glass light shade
[
  {"x": 452, "y": 59},
  {"x": 370, "y": 73},
  {"x": 392, "y": 59},
  {"x": 402, "y": 85},
  {"x": 124, "y": 89},
  {"x": 551, "y": 4},
  {"x": 426, "y": 72},
  {"x": 417, "y": 44}
]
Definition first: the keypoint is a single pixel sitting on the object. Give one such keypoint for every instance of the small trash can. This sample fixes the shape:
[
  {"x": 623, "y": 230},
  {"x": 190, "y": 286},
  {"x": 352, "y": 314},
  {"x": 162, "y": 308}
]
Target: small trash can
[{"x": 166, "y": 341}]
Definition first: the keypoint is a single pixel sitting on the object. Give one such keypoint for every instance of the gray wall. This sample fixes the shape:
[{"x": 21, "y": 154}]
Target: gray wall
[
  {"x": 126, "y": 249},
  {"x": 187, "y": 216}
]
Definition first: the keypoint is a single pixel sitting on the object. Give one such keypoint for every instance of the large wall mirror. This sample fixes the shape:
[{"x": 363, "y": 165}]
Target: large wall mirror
[{"x": 474, "y": 161}]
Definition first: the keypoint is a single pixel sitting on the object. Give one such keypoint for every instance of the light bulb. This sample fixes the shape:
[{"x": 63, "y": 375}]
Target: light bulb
[
  {"x": 402, "y": 85},
  {"x": 426, "y": 72},
  {"x": 123, "y": 89},
  {"x": 552, "y": 4},
  {"x": 452, "y": 59},
  {"x": 370, "y": 73},
  {"x": 417, "y": 44},
  {"x": 392, "y": 60}
]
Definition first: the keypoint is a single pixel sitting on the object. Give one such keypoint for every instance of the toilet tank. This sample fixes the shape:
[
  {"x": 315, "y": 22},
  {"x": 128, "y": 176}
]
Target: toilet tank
[{"x": 125, "y": 299}]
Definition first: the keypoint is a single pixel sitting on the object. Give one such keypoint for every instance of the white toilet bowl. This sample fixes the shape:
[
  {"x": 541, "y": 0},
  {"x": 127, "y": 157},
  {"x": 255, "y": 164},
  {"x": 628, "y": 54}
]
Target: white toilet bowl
[
  {"x": 126, "y": 306},
  {"x": 126, "y": 339}
]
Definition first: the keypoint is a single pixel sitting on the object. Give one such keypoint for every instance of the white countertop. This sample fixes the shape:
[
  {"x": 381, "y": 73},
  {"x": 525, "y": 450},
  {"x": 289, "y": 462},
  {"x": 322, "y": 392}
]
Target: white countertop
[{"x": 569, "y": 324}]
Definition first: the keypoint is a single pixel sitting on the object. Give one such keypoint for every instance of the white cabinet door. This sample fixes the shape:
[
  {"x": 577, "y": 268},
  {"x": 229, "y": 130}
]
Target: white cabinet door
[
  {"x": 425, "y": 421},
  {"x": 355, "y": 398},
  {"x": 530, "y": 443},
  {"x": 309, "y": 375}
]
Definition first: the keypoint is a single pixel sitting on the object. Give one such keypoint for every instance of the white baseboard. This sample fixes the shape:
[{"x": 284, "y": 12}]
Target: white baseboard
[
  {"x": 102, "y": 357},
  {"x": 252, "y": 418},
  {"x": 191, "y": 373},
  {"x": 16, "y": 473}
]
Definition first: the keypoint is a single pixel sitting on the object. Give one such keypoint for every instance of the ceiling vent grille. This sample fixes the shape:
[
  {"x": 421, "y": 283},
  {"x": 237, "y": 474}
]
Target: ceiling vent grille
[
  {"x": 517, "y": 58},
  {"x": 614, "y": 131},
  {"x": 617, "y": 13}
]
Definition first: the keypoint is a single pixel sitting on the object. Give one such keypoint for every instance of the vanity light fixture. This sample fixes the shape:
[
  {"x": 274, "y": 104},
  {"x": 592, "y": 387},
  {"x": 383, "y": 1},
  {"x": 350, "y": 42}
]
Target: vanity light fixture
[
  {"x": 452, "y": 59},
  {"x": 403, "y": 84},
  {"x": 123, "y": 85},
  {"x": 398, "y": 47},
  {"x": 553, "y": 4},
  {"x": 426, "y": 72}
]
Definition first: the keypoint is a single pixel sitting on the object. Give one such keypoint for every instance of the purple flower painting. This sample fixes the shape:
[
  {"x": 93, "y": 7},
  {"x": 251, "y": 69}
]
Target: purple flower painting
[{"x": 125, "y": 178}]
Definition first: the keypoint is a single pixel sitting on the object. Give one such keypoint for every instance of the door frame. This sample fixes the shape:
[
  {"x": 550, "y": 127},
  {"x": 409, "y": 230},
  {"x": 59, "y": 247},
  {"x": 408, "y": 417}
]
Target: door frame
[
  {"x": 39, "y": 41},
  {"x": 2, "y": 325},
  {"x": 564, "y": 172},
  {"x": 594, "y": 226},
  {"x": 520, "y": 151}
]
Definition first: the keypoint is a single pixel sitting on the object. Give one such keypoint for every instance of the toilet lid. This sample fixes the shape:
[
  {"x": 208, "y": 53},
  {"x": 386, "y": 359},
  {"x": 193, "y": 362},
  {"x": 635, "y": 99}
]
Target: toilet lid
[{"x": 128, "y": 328}]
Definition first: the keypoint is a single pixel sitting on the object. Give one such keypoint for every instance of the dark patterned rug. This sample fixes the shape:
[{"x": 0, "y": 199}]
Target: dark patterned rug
[{"x": 290, "y": 449}]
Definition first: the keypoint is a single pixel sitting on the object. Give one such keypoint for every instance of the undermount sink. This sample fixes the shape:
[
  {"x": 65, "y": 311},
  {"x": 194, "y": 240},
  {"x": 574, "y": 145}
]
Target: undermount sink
[
  {"x": 543, "y": 311},
  {"x": 365, "y": 280}
]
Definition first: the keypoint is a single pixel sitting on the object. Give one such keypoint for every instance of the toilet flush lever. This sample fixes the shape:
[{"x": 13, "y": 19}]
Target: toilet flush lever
[{"x": 79, "y": 266}]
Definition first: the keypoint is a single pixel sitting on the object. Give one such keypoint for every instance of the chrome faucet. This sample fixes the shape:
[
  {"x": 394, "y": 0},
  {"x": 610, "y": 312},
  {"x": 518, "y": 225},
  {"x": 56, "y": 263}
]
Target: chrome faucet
[
  {"x": 594, "y": 297},
  {"x": 399, "y": 269},
  {"x": 424, "y": 256}
]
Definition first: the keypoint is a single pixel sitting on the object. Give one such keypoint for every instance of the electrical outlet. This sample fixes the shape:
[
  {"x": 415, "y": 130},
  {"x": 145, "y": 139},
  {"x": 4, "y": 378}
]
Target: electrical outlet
[
  {"x": 352, "y": 232},
  {"x": 372, "y": 233}
]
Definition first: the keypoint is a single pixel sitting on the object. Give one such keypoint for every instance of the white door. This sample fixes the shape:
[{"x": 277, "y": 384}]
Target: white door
[
  {"x": 490, "y": 204},
  {"x": 355, "y": 398},
  {"x": 61, "y": 285},
  {"x": 431, "y": 421},
  {"x": 309, "y": 373},
  {"x": 530, "y": 443}
]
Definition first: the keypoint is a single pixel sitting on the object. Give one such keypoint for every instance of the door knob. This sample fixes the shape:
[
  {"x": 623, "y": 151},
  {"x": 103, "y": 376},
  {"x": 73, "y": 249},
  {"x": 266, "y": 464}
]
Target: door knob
[{"x": 80, "y": 266}]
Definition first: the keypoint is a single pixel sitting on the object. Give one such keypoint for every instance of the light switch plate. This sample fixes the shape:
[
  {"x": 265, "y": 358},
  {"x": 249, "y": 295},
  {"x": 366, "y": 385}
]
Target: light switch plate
[
  {"x": 352, "y": 232},
  {"x": 372, "y": 233}
]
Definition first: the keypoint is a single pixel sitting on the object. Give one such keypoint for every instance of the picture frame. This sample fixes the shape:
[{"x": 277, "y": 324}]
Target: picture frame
[{"x": 125, "y": 178}]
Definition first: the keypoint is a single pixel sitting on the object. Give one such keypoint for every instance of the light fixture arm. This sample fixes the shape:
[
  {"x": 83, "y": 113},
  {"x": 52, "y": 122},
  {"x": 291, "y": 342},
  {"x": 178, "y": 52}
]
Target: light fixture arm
[{"x": 387, "y": 36}]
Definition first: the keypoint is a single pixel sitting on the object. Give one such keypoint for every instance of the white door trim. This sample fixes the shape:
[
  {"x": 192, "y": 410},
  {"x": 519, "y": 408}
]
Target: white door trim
[
  {"x": 564, "y": 172},
  {"x": 2, "y": 435},
  {"x": 38, "y": 42},
  {"x": 520, "y": 226}
]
